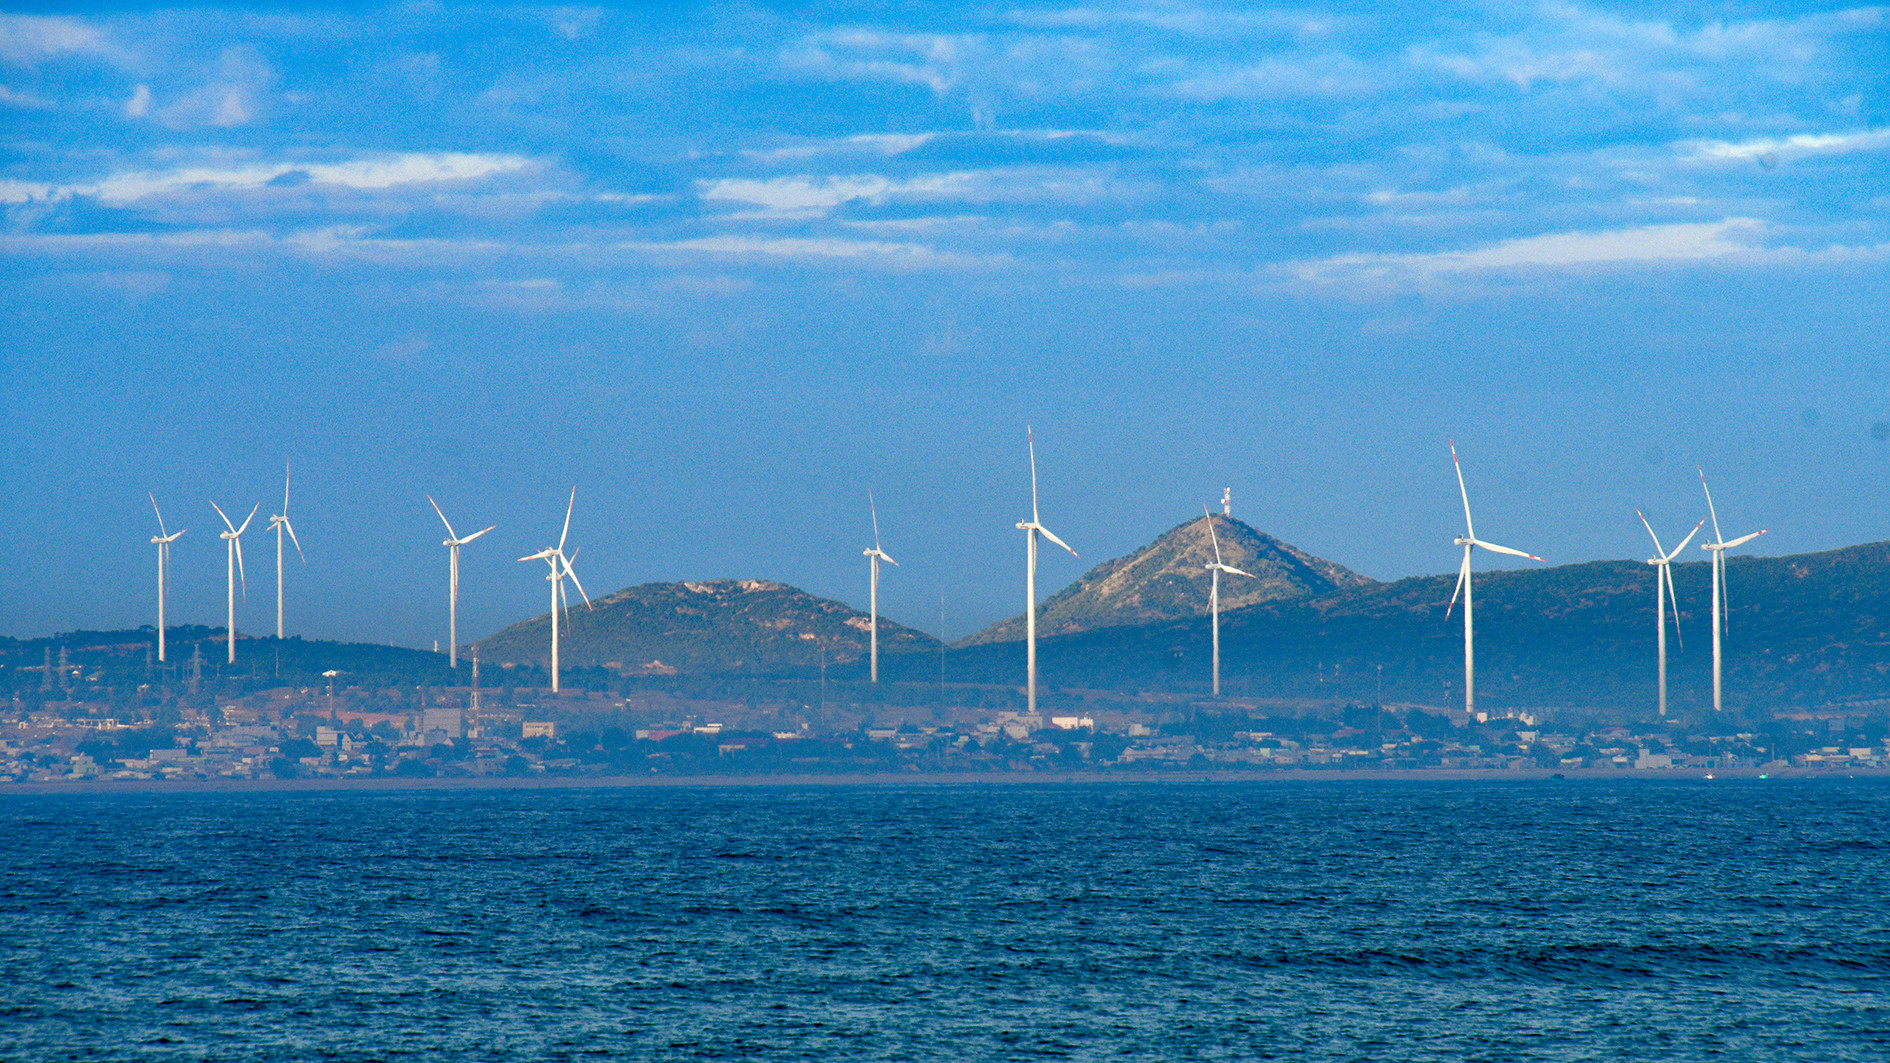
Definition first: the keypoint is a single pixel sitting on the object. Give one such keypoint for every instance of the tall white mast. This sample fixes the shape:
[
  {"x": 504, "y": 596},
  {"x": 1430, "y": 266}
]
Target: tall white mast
[
  {"x": 453, "y": 543},
  {"x": 1033, "y": 528},
  {"x": 1469, "y": 541},
  {"x": 1663, "y": 586},
  {"x": 1214, "y": 589},
  {"x": 1716, "y": 550},
  {"x": 163, "y": 539},
  {"x": 560, "y": 568},
  {"x": 233, "y": 561},
  {"x": 874, "y": 557}
]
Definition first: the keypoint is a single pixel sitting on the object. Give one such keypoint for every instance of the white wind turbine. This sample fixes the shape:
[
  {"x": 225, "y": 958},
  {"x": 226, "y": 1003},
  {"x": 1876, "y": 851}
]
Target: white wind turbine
[
  {"x": 453, "y": 543},
  {"x": 1717, "y": 550},
  {"x": 1663, "y": 592},
  {"x": 874, "y": 557},
  {"x": 1469, "y": 541},
  {"x": 233, "y": 549},
  {"x": 560, "y": 568},
  {"x": 1214, "y": 591},
  {"x": 1032, "y": 528},
  {"x": 280, "y": 522},
  {"x": 163, "y": 539}
]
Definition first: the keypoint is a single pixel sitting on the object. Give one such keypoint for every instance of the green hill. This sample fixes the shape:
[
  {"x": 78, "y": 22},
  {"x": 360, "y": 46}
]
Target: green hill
[
  {"x": 707, "y": 627},
  {"x": 1805, "y": 631},
  {"x": 1168, "y": 580}
]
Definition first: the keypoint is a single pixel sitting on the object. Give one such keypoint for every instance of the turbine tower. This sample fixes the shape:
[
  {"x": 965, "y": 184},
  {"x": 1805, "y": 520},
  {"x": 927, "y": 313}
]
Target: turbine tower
[
  {"x": 1721, "y": 606},
  {"x": 233, "y": 549},
  {"x": 1214, "y": 590},
  {"x": 1663, "y": 593},
  {"x": 163, "y": 539},
  {"x": 874, "y": 557},
  {"x": 453, "y": 543},
  {"x": 560, "y": 568},
  {"x": 1469, "y": 541},
  {"x": 1033, "y": 528},
  {"x": 280, "y": 522}
]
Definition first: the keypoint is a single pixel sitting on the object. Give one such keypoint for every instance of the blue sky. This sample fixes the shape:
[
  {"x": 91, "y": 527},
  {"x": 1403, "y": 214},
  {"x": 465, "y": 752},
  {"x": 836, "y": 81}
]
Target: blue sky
[{"x": 725, "y": 267}]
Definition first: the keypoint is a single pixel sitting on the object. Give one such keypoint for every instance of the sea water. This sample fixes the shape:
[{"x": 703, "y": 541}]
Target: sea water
[{"x": 1325, "y": 921}]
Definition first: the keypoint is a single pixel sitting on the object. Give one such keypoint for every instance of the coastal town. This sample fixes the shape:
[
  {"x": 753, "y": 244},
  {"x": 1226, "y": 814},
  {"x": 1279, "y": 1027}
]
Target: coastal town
[{"x": 325, "y": 732}]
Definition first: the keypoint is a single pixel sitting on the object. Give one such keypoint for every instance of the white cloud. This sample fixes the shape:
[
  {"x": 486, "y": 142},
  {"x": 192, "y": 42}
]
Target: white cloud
[
  {"x": 906, "y": 254},
  {"x": 1681, "y": 242},
  {"x": 1793, "y": 146},
  {"x": 374, "y": 173},
  {"x": 28, "y": 39},
  {"x": 805, "y": 196},
  {"x": 140, "y": 103},
  {"x": 879, "y": 143},
  {"x": 23, "y": 100}
]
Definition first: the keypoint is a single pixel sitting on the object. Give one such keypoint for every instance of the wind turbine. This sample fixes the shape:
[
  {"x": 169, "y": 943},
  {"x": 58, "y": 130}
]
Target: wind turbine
[
  {"x": 874, "y": 557},
  {"x": 280, "y": 522},
  {"x": 560, "y": 568},
  {"x": 163, "y": 539},
  {"x": 1214, "y": 591},
  {"x": 233, "y": 549},
  {"x": 1663, "y": 592},
  {"x": 1717, "y": 550},
  {"x": 453, "y": 543},
  {"x": 1469, "y": 541},
  {"x": 1032, "y": 528}
]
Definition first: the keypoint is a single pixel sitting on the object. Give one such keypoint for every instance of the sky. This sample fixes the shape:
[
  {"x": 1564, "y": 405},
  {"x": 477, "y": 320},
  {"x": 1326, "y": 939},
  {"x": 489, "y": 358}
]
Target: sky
[{"x": 725, "y": 268}]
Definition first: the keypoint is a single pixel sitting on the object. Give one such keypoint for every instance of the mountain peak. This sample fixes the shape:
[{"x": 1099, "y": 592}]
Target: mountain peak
[{"x": 1168, "y": 580}]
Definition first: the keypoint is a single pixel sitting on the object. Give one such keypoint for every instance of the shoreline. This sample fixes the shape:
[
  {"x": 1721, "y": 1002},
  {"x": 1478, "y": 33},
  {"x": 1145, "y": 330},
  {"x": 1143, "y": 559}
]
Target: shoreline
[{"x": 594, "y": 782}]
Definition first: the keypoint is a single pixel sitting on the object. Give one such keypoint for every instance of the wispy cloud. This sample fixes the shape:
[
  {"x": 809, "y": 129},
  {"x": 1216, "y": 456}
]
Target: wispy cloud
[
  {"x": 382, "y": 172},
  {"x": 28, "y": 39},
  {"x": 1648, "y": 244},
  {"x": 804, "y": 195},
  {"x": 1796, "y": 145}
]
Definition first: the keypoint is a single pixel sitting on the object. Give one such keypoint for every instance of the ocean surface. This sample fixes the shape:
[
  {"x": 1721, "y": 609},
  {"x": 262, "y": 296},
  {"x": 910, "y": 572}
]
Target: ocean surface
[{"x": 1564, "y": 920}]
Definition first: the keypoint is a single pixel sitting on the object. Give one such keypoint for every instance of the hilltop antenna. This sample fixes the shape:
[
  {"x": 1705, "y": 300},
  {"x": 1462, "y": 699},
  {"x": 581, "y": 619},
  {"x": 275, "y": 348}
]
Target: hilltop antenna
[{"x": 1227, "y": 501}]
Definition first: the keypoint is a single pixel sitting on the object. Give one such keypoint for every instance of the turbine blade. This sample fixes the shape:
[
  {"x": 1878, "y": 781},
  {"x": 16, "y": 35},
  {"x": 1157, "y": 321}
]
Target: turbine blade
[
  {"x": 285, "y": 487},
  {"x": 567, "y": 519},
  {"x": 1658, "y": 552},
  {"x": 886, "y": 557},
  {"x": 477, "y": 534},
  {"x": 238, "y": 543},
  {"x": 1744, "y": 539},
  {"x": 225, "y": 516},
  {"x": 1237, "y": 572},
  {"x": 246, "y": 520},
  {"x": 1505, "y": 550},
  {"x": 572, "y": 572},
  {"x": 1673, "y": 601},
  {"x": 1212, "y": 538},
  {"x": 1031, "y": 436},
  {"x": 298, "y": 543},
  {"x": 1045, "y": 532},
  {"x": 1688, "y": 539},
  {"x": 160, "y": 515},
  {"x": 540, "y": 555},
  {"x": 449, "y": 524},
  {"x": 1463, "y": 574},
  {"x": 874, "y": 507},
  {"x": 1710, "y": 511},
  {"x": 1469, "y": 530}
]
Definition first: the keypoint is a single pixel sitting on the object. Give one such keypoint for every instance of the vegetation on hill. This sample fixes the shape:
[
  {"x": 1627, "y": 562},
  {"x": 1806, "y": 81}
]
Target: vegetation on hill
[
  {"x": 1804, "y": 631},
  {"x": 708, "y": 627},
  {"x": 1168, "y": 580}
]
